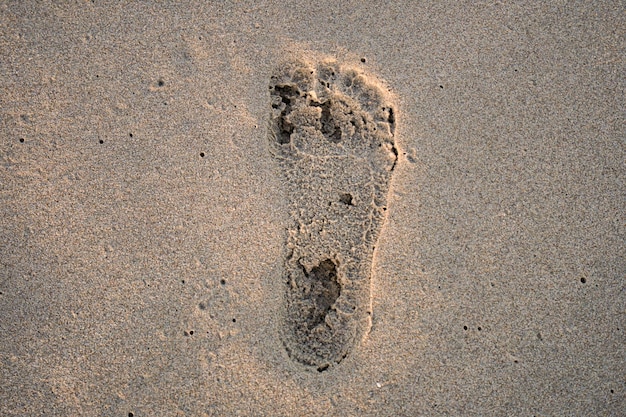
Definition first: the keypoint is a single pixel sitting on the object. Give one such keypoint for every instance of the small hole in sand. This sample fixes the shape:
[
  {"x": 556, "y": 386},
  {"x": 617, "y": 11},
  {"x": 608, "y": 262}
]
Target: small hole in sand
[
  {"x": 191, "y": 332},
  {"x": 100, "y": 141},
  {"x": 161, "y": 83},
  {"x": 583, "y": 280},
  {"x": 346, "y": 199},
  {"x": 201, "y": 154},
  {"x": 234, "y": 320},
  {"x": 363, "y": 60},
  {"x": 464, "y": 327},
  {"x": 21, "y": 140},
  {"x": 223, "y": 281},
  {"x": 130, "y": 134}
]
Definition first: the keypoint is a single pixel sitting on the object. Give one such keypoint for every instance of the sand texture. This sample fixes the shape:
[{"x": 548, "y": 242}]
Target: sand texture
[{"x": 331, "y": 208}]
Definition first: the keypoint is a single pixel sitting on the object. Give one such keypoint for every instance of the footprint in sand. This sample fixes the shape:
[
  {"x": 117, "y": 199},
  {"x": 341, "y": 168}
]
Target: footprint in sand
[{"x": 332, "y": 130}]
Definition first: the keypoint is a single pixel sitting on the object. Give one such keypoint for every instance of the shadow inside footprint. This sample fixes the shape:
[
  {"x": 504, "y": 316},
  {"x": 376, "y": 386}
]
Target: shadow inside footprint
[
  {"x": 287, "y": 94},
  {"x": 323, "y": 290},
  {"x": 329, "y": 126}
]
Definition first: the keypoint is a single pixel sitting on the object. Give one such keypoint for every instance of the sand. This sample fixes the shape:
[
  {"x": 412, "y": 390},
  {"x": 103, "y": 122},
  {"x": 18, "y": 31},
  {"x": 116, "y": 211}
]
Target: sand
[{"x": 144, "y": 219}]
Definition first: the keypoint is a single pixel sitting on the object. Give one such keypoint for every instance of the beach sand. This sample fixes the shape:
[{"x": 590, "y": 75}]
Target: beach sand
[{"x": 145, "y": 220}]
